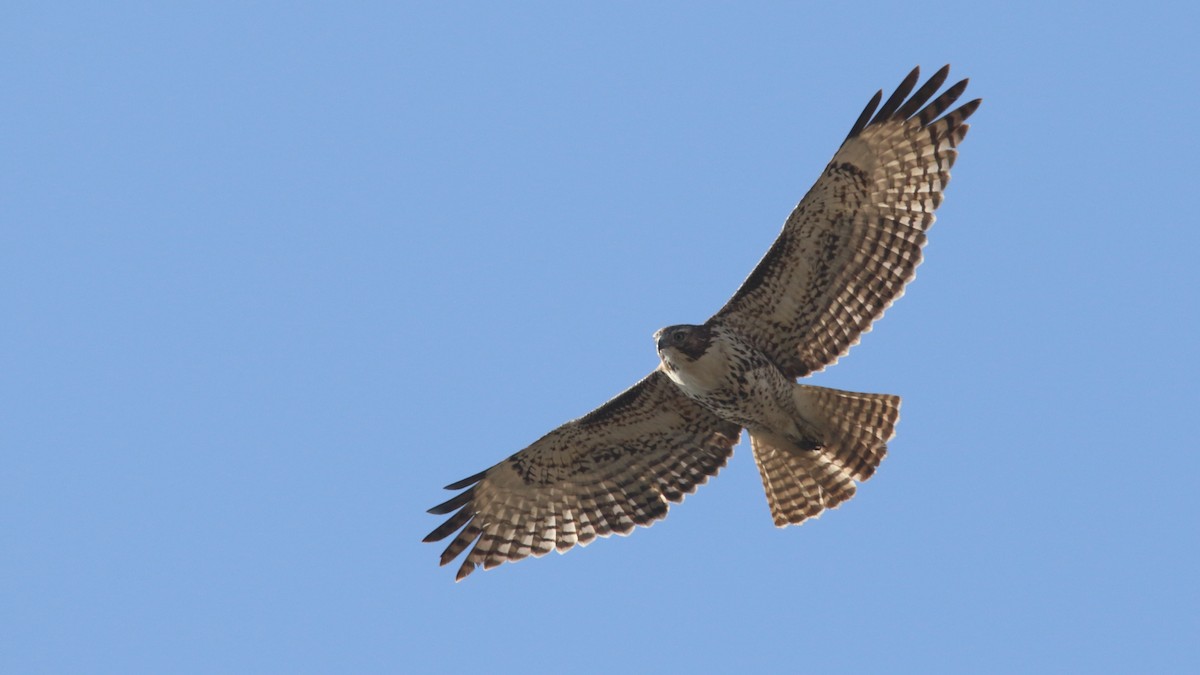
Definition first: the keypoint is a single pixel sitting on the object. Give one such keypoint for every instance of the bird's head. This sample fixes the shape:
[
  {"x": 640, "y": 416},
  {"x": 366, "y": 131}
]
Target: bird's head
[{"x": 682, "y": 341}]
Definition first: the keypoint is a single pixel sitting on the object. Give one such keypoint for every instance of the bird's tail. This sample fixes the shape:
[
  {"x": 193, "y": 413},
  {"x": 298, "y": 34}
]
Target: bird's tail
[{"x": 854, "y": 430}]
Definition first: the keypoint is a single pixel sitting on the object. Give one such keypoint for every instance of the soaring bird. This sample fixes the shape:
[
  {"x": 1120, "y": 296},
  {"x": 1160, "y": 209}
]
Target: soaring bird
[{"x": 844, "y": 255}]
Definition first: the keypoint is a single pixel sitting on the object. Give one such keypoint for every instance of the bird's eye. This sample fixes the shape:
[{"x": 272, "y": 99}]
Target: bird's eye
[{"x": 679, "y": 336}]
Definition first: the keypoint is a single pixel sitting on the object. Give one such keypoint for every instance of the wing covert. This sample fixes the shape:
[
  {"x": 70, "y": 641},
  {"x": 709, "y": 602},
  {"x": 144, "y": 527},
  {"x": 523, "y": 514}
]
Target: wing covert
[
  {"x": 854, "y": 240},
  {"x": 608, "y": 471}
]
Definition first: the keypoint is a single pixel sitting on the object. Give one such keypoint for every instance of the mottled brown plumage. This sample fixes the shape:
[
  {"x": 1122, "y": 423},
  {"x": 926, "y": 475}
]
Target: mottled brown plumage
[
  {"x": 855, "y": 240},
  {"x": 606, "y": 472},
  {"x": 844, "y": 256}
]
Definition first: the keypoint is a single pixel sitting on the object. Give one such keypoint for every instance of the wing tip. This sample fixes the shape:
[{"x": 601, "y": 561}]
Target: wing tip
[
  {"x": 464, "y": 570},
  {"x": 452, "y": 524},
  {"x": 864, "y": 117},
  {"x": 922, "y": 104},
  {"x": 466, "y": 482},
  {"x": 893, "y": 103},
  {"x": 453, "y": 503}
]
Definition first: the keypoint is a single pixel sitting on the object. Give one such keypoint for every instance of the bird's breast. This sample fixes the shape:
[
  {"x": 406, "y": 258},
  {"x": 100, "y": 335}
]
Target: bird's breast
[
  {"x": 736, "y": 382},
  {"x": 701, "y": 376}
]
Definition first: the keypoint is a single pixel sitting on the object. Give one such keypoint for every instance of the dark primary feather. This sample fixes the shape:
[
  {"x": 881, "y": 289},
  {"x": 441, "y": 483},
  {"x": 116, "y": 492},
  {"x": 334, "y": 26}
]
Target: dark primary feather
[
  {"x": 924, "y": 93},
  {"x": 893, "y": 103},
  {"x": 865, "y": 116}
]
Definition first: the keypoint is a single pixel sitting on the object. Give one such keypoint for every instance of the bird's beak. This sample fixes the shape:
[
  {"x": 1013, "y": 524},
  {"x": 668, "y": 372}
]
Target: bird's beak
[{"x": 660, "y": 338}]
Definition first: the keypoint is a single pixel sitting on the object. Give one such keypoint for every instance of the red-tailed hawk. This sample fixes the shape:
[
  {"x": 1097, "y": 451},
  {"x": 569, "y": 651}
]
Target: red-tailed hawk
[{"x": 843, "y": 257}]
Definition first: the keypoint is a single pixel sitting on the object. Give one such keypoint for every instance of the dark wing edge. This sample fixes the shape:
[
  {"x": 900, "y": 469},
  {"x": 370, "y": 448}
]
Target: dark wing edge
[
  {"x": 913, "y": 169},
  {"x": 615, "y": 468}
]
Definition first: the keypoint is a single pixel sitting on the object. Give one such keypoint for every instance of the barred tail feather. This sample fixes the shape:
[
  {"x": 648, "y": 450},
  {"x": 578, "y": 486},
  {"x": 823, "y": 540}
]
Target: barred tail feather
[{"x": 854, "y": 430}]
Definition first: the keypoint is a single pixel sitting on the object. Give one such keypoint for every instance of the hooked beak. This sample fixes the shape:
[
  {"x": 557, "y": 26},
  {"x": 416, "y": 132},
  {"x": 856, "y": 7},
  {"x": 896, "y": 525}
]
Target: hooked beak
[{"x": 660, "y": 338}]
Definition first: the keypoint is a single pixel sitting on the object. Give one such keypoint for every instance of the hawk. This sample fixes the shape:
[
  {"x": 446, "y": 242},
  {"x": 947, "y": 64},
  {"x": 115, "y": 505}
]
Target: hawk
[{"x": 843, "y": 257}]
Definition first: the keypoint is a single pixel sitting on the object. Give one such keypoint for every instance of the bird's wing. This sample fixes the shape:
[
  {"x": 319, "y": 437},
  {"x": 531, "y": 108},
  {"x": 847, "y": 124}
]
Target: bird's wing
[
  {"x": 606, "y": 472},
  {"x": 855, "y": 240}
]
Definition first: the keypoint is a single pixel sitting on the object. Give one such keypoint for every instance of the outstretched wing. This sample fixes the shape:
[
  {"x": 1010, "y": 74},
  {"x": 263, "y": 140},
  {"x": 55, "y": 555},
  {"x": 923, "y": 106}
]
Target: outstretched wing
[
  {"x": 855, "y": 240},
  {"x": 606, "y": 472}
]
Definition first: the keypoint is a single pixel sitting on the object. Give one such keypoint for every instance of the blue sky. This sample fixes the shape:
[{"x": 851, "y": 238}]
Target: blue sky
[{"x": 272, "y": 275}]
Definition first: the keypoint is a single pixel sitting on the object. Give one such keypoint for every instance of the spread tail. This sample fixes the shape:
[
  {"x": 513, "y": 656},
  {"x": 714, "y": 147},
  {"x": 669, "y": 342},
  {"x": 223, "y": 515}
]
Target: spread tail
[{"x": 854, "y": 429}]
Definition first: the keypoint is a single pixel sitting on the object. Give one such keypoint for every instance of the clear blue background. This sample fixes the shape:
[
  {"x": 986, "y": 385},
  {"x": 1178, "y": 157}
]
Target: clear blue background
[{"x": 272, "y": 275}]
